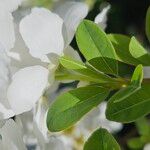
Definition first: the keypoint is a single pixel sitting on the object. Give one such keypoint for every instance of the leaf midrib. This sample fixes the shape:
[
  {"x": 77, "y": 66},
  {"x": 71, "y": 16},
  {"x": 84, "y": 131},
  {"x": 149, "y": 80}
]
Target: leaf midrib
[
  {"x": 113, "y": 114},
  {"x": 100, "y": 51}
]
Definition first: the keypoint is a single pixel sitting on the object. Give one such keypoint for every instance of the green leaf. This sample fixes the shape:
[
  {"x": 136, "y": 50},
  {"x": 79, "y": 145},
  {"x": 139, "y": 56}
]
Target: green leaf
[
  {"x": 101, "y": 139},
  {"x": 99, "y": 64},
  {"x": 133, "y": 87},
  {"x": 131, "y": 108},
  {"x": 70, "y": 107},
  {"x": 88, "y": 72},
  {"x": 137, "y": 76},
  {"x": 121, "y": 45},
  {"x": 69, "y": 63},
  {"x": 138, "y": 52},
  {"x": 93, "y": 43},
  {"x": 148, "y": 24},
  {"x": 143, "y": 126},
  {"x": 135, "y": 143}
]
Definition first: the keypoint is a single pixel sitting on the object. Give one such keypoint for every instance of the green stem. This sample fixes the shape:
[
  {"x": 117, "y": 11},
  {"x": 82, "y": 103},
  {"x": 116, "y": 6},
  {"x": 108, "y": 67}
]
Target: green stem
[{"x": 114, "y": 83}]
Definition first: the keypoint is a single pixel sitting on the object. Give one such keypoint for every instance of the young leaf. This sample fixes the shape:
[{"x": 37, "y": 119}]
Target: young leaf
[
  {"x": 69, "y": 63},
  {"x": 138, "y": 52},
  {"x": 131, "y": 108},
  {"x": 137, "y": 76},
  {"x": 93, "y": 43},
  {"x": 85, "y": 70},
  {"x": 133, "y": 87},
  {"x": 148, "y": 24},
  {"x": 101, "y": 139},
  {"x": 121, "y": 45},
  {"x": 70, "y": 107}
]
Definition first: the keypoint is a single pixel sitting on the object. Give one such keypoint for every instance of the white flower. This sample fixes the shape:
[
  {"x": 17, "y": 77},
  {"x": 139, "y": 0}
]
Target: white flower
[
  {"x": 45, "y": 32},
  {"x": 31, "y": 81},
  {"x": 11, "y": 137},
  {"x": 101, "y": 18}
]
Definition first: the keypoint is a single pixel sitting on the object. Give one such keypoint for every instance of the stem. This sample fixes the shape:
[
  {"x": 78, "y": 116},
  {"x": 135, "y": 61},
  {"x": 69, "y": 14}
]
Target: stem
[{"x": 114, "y": 83}]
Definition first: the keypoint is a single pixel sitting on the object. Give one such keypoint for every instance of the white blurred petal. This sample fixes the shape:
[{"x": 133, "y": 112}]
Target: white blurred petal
[
  {"x": 26, "y": 88},
  {"x": 42, "y": 32},
  {"x": 55, "y": 144},
  {"x": 11, "y": 136},
  {"x": 104, "y": 122},
  {"x": 147, "y": 147},
  {"x": 72, "y": 13},
  {"x": 97, "y": 118},
  {"x": 25, "y": 121},
  {"x": 146, "y": 71},
  {"x": 101, "y": 18},
  {"x": 5, "y": 113},
  {"x": 10, "y": 5},
  {"x": 5, "y": 110},
  {"x": 7, "y": 35}
]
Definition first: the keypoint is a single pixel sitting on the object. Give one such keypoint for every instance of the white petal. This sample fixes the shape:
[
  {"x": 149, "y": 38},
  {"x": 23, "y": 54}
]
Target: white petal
[
  {"x": 10, "y": 5},
  {"x": 7, "y": 35},
  {"x": 20, "y": 56},
  {"x": 72, "y": 13},
  {"x": 12, "y": 136},
  {"x": 101, "y": 18},
  {"x": 42, "y": 32},
  {"x": 26, "y": 88},
  {"x": 40, "y": 116}
]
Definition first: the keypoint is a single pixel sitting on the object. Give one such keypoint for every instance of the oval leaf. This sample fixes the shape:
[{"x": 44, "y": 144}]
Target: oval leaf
[
  {"x": 101, "y": 139},
  {"x": 131, "y": 108},
  {"x": 121, "y": 45},
  {"x": 70, "y": 107},
  {"x": 139, "y": 52},
  {"x": 93, "y": 43}
]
